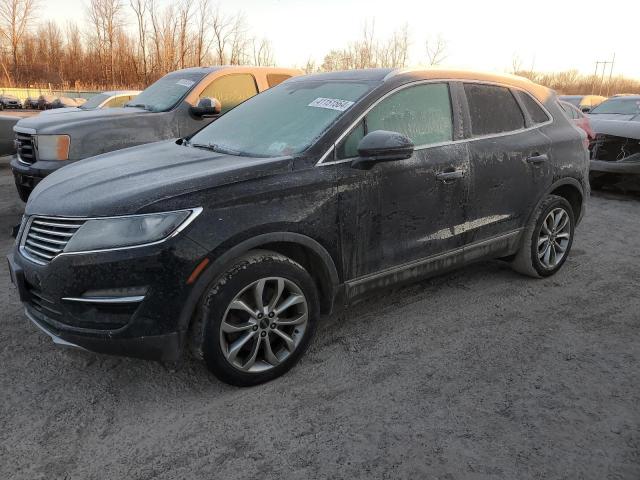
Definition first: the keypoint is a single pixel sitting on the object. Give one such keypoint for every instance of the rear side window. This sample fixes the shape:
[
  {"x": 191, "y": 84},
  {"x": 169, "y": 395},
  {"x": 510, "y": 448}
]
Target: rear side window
[
  {"x": 535, "y": 111},
  {"x": 492, "y": 109},
  {"x": 422, "y": 113},
  {"x": 231, "y": 90},
  {"x": 274, "y": 79}
]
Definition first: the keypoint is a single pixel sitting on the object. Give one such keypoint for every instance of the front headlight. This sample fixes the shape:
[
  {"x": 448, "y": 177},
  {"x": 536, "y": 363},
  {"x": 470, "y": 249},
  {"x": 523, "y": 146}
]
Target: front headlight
[
  {"x": 53, "y": 147},
  {"x": 129, "y": 231}
]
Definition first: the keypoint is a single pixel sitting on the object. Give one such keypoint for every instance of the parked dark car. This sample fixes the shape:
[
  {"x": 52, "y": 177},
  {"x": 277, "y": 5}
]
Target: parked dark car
[
  {"x": 298, "y": 202},
  {"x": 111, "y": 99},
  {"x": 615, "y": 159},
  {"x": 176, "y": 105},
  {"x": 45, "y": 102},
  {"x": 64, "y": 102},
  {"x": 31, "y": 103},
  {"x": 10, "y": 101}
]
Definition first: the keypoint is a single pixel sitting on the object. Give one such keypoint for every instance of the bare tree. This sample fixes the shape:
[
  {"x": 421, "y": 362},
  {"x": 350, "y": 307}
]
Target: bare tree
[
  {"x": 436, "y": 50},
  {"x": 140, "y": 8},
  {"x": 202, "y": 40},
  {"x": 15, "y": 16},
  {"x": 262, "y": 52},
  {"x": 184, "y": 17},
  {"x": 516, "y": 63},
  {"x": 239, "y": 41},
  {"x": 221, "y": 26}
]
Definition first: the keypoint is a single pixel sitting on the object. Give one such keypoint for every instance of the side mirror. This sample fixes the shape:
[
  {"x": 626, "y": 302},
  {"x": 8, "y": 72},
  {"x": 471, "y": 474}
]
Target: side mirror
[
  {"x": 207, "y": 107},
  {"x": 382, "y": 146},
  {"x": 585, "y": 109}
]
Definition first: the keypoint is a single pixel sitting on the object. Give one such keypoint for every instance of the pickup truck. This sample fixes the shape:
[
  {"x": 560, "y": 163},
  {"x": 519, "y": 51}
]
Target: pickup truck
[{"x": 177, "y": 105}]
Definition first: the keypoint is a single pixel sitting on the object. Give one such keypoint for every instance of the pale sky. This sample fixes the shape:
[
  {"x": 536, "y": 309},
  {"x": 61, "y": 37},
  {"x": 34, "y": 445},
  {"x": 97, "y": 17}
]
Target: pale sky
[{"x": 550, "y": 35}]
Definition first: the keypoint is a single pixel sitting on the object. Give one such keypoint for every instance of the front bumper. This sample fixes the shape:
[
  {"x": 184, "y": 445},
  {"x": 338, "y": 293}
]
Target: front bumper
[
  {"x": 36, "y": 171},
  {"x": 148, "y": 328},
  {"x": 620, "y": 167}
]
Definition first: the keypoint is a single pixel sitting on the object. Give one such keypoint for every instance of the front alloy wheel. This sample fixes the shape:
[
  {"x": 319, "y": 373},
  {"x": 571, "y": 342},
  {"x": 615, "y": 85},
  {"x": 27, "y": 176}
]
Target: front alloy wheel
[
  {"x": 259, "y": 317},
  {"x": 264, "y": 324}
]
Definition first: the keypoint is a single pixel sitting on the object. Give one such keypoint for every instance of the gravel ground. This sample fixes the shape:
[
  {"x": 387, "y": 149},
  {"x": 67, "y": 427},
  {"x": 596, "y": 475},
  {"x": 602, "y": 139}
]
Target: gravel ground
[{"x": 478, "y": 374}]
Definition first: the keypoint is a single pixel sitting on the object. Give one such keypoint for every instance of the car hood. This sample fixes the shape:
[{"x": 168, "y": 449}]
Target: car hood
[
  {"x": 55, "y": 111},
  {"x": 127, "y": 181},
  {"x": 615, "y": 127},
  {"x": 613, "y": 116},
  {"x": 64, "y": 122}
]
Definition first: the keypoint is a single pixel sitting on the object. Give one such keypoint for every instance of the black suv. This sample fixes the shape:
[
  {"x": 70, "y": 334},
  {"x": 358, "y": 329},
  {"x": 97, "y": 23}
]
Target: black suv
[{"x": 300, "y": 200}]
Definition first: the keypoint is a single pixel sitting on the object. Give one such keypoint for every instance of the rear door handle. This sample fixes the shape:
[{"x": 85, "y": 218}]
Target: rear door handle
[
  {"x": 536, "y": 159},
  {"x": 452, "y": 175}
]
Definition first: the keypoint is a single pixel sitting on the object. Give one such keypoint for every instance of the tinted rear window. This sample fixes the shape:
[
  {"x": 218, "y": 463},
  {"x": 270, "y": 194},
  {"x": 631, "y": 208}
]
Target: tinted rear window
[
  {"x": 535, "y": 111},
  {"x": 492, "y": 109}
]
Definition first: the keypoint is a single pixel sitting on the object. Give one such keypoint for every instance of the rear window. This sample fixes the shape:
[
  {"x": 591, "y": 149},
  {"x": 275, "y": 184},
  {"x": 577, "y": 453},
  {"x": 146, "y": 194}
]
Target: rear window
[
  {"x": 492, "y": 109},
  {"x": 274, "y": 79},
  {"x": 619, "y": 105},
  {"x": 532, "y": 107}
]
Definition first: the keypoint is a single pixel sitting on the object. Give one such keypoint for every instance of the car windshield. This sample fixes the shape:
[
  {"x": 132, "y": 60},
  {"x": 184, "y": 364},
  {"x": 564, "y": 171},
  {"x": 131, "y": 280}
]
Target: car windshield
[
  {"x": 622, "y": 106},
  {"x": 284, "y": 120},
  {"x": 166, "y": 92},
  {"x": 95, "y": 101}
]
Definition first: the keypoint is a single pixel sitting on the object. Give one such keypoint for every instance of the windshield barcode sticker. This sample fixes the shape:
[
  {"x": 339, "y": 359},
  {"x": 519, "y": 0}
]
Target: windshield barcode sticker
[
  {"x": 185, "y": 83},
  {"x": 331, "y": 103}
]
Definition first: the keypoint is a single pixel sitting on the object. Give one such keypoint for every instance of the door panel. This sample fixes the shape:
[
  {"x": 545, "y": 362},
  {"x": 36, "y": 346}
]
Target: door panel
[{"x": 399, "y": 211}]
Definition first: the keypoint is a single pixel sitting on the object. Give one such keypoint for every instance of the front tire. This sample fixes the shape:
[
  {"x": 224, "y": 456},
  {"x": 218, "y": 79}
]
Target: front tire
[
  {"x": 547, "y": 239},
  {"x": 259, "y": 318}
]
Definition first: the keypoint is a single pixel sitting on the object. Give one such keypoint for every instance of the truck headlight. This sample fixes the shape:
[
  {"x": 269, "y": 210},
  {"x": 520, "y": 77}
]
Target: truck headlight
[
  {"x": 129, "y": 231},
  {"x": 53, "y": 147}
]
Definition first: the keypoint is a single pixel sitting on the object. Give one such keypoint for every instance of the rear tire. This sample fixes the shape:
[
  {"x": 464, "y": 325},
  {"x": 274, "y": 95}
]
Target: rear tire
[
  {"x": 547, "y": 239},
  {"x": 259, "y": 318}
]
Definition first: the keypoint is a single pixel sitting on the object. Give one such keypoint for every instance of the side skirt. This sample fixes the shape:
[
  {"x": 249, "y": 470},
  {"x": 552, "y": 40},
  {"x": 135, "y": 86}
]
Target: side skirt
[{"x": 500, "y": 246}]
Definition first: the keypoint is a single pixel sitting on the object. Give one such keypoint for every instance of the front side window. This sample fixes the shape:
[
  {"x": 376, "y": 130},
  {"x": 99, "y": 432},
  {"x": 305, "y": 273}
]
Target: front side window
[
  {"x": 231, "y": 90},
  {"x": 117, "y": 102},
  {"x": 284, "y": 120},
  {"x": 492, "y": 109},
  {"x": 421, "y": 113},
  {"x": 94, "y": 102},
  {"x": 274, "y": 79}
]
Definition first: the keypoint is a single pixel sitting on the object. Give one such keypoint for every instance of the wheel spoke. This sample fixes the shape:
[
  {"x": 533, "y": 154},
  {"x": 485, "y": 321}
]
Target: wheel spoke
[
  {"x": 293, "y": 299},
  {"x": 254, "y": 355},
  {"x": 230, "y": 328},
  {"x": 561, "y": 248},
  {"x": 296, "y": 321},
  {"x": 547, "y": 255},
  {"x": 563, "y": 223},
  {"x": 545, "y": 227},
  {"x": 277, "y": 294},
  {"x": 565, "y": 235},
  {"x": 557, "y": 219},
  {"x": 288, "y": 341},
  {"x": 236, "y": 346},
  {"x": 257, "y": 294},
  {"x": 542, "y": 239},
  {"x": 240, "y": 305},
  {"x": 269, "y": 356}
]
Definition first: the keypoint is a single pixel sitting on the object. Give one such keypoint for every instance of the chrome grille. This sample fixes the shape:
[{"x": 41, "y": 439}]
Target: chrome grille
[
  {"x": 46, "y": 237},
  {"x": 25, "y": 148}
]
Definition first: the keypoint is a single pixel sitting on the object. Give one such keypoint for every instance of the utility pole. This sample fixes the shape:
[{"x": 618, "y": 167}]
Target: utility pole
[{"x": 604, "y": 64}]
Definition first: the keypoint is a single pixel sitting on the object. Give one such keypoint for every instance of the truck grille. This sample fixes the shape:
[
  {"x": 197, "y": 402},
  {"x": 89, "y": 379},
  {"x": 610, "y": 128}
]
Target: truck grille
[
  {"x": 46, "y": 237},
  {"x": 25, "y": 148}
]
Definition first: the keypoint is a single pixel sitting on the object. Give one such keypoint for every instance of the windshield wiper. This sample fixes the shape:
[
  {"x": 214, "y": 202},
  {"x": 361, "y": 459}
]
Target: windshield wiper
[
  {"x": 137, "y": 105},
  {"x": 214, "y": 147}
]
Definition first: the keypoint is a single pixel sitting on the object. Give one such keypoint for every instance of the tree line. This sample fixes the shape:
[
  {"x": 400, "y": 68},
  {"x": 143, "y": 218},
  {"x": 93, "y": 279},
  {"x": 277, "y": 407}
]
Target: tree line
[{"x": 131, "y": 43}]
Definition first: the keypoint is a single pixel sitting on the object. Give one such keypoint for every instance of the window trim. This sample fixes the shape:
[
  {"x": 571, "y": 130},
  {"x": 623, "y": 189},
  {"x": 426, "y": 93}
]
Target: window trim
[{"x": 323, "y": 159}]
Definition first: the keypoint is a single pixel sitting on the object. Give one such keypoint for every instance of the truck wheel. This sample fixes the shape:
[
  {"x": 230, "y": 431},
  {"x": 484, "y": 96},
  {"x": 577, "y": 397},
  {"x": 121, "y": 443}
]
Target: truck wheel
[
  {"x": 547, "y": 239},
  {"x": 259, "y": 317}
]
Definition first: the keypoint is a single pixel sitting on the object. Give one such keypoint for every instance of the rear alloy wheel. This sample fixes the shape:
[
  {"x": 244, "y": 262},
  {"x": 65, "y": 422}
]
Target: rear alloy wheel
[
  {"x": 547, "y": 239},
  {"x": 259, "y": 318}
]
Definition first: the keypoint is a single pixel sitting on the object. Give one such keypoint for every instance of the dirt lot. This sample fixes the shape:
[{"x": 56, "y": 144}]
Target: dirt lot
[{"x": 478, "y": 374}]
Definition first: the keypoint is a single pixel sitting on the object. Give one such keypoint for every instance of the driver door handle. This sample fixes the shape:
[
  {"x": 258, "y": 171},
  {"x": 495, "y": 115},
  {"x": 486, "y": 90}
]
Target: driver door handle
[
  {"x": 537, "y": 158},
  {"x": 452, "y": 175}
]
